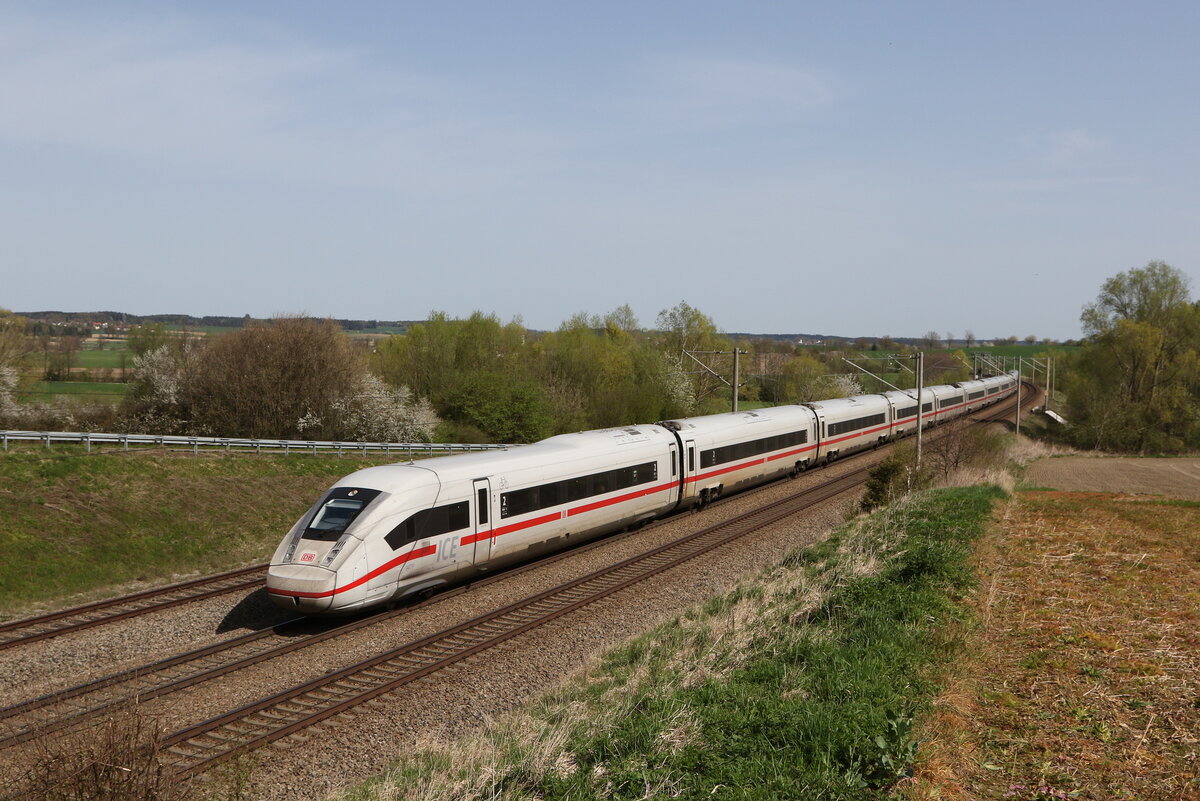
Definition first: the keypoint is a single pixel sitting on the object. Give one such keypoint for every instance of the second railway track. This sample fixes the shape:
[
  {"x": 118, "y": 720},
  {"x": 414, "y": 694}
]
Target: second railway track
[{"x": 77, "y": 618}]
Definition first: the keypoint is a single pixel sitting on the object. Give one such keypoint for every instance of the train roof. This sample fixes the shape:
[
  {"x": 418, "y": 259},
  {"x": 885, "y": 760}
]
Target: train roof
[
  {"x": 553, "y": 450},
  {"x": 843, "y": 404},
  {"x": 712, "y": 423}
]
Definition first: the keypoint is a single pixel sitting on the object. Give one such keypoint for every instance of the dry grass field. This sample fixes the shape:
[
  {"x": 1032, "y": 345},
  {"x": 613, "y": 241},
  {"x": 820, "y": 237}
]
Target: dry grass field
[
  {"x": 1173, "y": 478},
  {"x": 1083, "y": 680}
]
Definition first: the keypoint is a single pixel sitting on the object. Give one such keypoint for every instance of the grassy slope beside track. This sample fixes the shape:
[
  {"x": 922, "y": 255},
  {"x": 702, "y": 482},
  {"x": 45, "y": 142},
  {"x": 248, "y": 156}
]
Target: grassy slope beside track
[
  {"x": 801, "y": 684},
  {"x": 72, "y": 522}
]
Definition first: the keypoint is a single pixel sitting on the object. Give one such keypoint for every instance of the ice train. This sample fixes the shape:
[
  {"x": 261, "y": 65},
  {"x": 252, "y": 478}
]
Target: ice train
[{"x": 385, "y": 533}]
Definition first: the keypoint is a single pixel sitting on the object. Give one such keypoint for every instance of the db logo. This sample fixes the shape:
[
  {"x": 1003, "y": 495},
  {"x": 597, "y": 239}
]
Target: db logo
[{"x": 308, "y": 557}]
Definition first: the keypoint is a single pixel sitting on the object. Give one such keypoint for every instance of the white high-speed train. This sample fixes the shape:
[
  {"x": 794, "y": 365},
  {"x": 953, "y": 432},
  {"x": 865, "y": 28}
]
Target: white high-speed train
[{"x": 385, "y": 533}]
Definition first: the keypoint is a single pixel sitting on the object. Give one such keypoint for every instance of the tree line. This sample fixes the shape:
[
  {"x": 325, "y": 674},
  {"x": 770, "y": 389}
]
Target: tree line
[
  {"x": 1135, "y": 386},
  {"x": 475, "y": 379}
]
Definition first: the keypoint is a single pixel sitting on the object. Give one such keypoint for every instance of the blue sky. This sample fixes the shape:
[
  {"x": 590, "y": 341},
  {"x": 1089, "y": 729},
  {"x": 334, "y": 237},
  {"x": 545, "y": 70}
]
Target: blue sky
[{"x": 849, "y": 168}]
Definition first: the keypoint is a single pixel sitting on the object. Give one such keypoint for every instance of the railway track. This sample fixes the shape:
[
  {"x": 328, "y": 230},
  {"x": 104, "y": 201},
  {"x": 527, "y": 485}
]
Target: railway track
[
  {"x": 66, "y": 621},
  {"x": 38, "y": 717},
  {"x": 197, "y": 748},
  {"x": 62, "y": 709}
]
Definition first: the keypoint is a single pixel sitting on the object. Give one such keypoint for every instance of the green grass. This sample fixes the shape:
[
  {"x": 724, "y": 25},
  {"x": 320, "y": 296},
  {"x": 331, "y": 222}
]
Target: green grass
[
  {"x": 204, "y": 329},
  {"x": 45, "y": 391},
  {"x": 802, "y": 685},
  {"x": 76, "y": 523},
  {"x": 1026, "y": 350},
  {"x": 109, "y": 357},
  {"x": 381, "y": 329}
]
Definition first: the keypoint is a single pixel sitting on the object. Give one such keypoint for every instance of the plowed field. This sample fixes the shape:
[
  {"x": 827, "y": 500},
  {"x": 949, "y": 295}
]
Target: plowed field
[{"x": 1174, "y": 478}]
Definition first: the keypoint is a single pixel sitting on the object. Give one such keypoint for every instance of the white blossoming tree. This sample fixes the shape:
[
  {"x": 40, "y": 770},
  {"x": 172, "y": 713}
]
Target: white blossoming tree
[{"x": 376, "y": 412}]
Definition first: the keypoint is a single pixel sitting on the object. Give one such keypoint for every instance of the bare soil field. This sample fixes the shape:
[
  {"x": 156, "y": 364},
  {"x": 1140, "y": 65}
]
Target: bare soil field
[
  {"x": 1174, "y": 478},
  {"x": 1082, "y": 678}
]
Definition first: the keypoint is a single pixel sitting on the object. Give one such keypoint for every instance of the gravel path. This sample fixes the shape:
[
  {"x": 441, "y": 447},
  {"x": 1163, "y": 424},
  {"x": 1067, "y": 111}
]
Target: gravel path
[{"x": 1175, "y": 478}]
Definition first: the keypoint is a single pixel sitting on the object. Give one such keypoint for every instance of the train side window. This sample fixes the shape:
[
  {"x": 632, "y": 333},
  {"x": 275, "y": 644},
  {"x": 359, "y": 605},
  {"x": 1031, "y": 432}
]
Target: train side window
[
  {"x": 552, "y": 494},
  {"x": 482, "y": 507},
  {"x": 430, "y": 523},
  {"x": 556, "y": 493},
  {"x": 577, "y": 488},
  {"x": 691, "y": 459}
]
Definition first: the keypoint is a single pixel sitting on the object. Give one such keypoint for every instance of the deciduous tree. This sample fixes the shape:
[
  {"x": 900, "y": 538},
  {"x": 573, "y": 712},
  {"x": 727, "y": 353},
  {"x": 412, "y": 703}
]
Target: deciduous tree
[
  {"x": 263, "y": 380},
  {"x": 1136, "y": 384}
]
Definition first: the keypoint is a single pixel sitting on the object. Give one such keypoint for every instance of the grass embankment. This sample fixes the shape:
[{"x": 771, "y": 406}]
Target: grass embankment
[
  {"x": 801, "y": 684},
  {"x": 1084, "y": 675},
  {"x": 80, "y": 523}
]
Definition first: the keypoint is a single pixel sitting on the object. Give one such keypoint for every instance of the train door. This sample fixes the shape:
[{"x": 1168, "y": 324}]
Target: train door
[
  {"x": 676, "y": 474},
  {"x": 822, "y": 451},
  {"x": 688, "y": 457},
  {"x": 483, "y": 520}
]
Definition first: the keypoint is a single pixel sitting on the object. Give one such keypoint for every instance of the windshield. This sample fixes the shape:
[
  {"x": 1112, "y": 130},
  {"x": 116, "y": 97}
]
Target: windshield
[{"x": 336, "y": 514}]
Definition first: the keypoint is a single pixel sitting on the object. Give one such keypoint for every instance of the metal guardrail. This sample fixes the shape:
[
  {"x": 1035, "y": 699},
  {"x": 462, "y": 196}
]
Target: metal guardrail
[{"x": 229, "y": 443}]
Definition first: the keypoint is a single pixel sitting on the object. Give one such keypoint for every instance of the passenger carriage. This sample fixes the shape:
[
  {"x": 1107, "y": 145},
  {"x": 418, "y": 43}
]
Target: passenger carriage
[
  {"x": 388, "y": 532},
  {"x": 731, "y": 451},
  {"x": 902, "y": 407},
  {"x": 847, "y": 425}
]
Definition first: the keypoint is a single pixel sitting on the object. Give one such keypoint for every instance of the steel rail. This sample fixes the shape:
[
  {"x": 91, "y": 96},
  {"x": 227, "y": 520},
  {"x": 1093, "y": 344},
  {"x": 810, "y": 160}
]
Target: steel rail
[
  {"x": 158, "y": 678},
  {"x": 194, "y": 749},
  {"x": 65, "y": 621},
  {"x": 94, "y": 614},
  {"x": 155, "y": 679}
]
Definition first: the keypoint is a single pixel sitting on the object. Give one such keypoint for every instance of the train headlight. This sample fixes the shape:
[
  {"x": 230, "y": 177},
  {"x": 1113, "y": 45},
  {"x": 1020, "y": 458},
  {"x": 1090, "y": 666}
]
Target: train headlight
[
  {"x": 335, "y": 550},
  {"x": 291, "y": 550}
]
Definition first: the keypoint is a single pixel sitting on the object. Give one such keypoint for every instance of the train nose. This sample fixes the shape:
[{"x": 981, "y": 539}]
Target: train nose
[{"x": 303, "y": 588}]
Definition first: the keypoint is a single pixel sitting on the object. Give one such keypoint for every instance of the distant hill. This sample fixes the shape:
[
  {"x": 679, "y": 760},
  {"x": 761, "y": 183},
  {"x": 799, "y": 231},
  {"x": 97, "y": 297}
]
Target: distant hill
[
  {"x": 400, "y": 326},
  {"x": 190, "y": 321}
]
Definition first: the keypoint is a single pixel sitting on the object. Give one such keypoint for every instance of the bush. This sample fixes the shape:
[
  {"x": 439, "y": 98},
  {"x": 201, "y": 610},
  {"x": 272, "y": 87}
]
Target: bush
[{"x": 892, "y": 478}]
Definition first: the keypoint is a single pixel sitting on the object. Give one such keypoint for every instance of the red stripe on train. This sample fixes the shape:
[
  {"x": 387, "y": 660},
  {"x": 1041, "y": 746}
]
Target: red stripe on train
[{"x": 416, "y": 553}]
